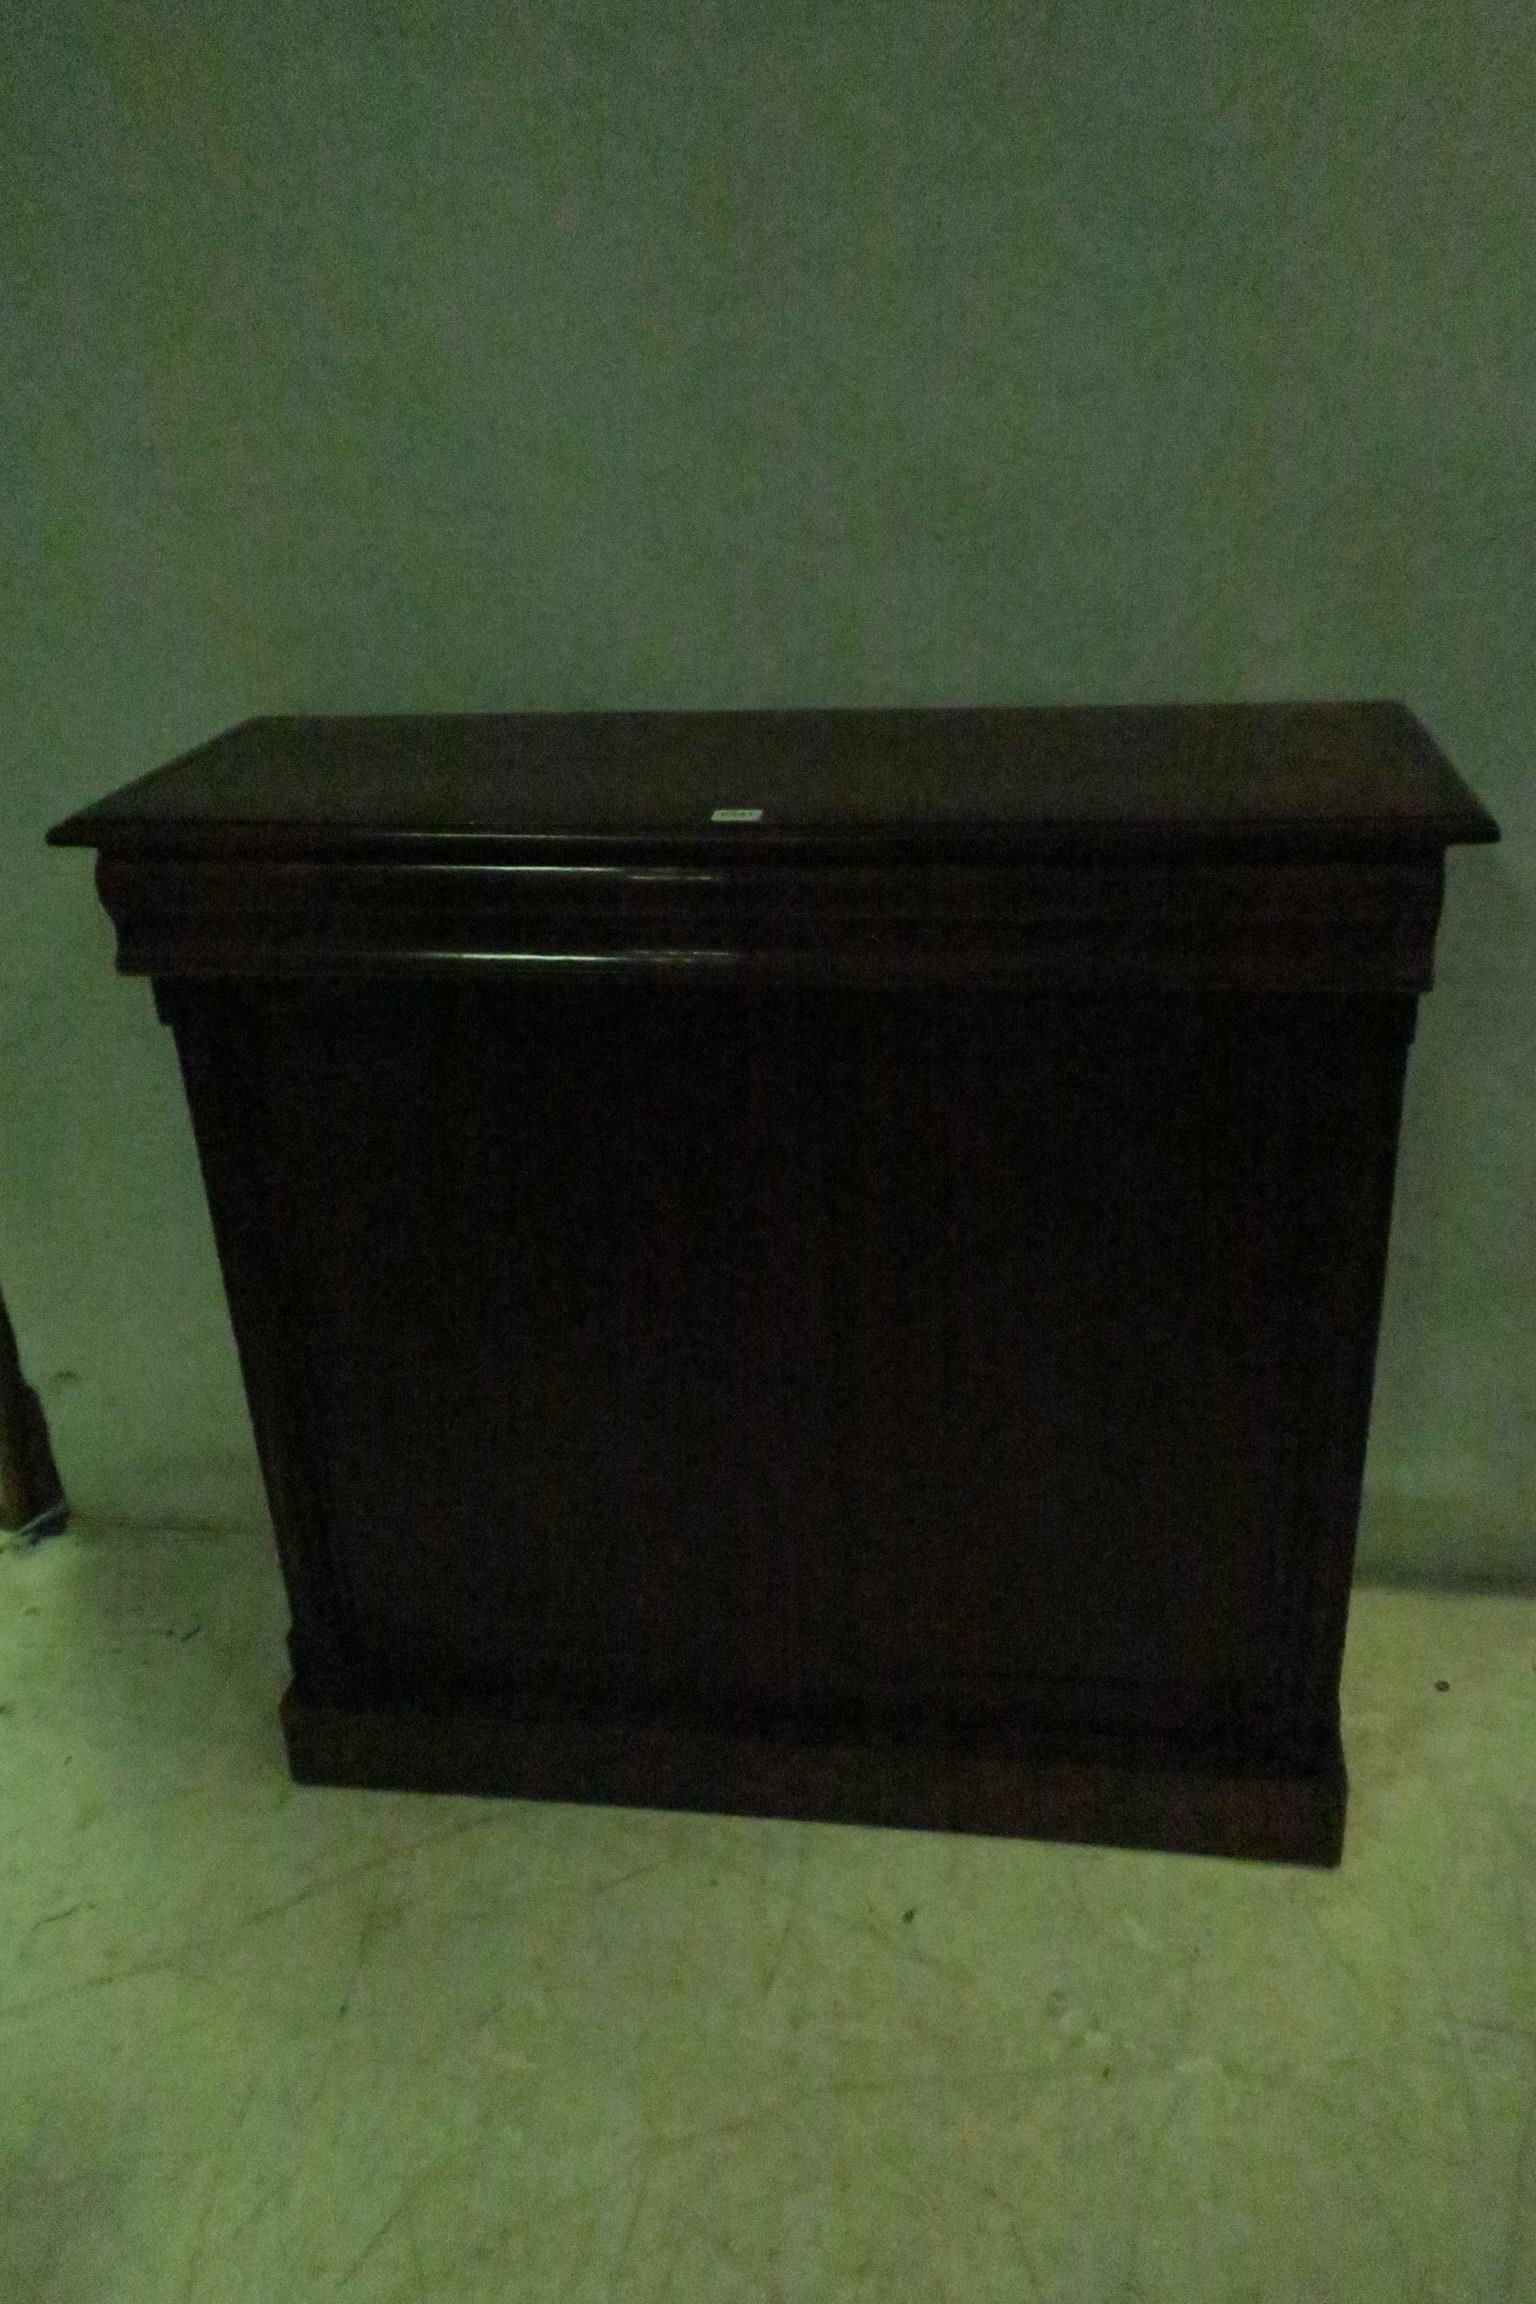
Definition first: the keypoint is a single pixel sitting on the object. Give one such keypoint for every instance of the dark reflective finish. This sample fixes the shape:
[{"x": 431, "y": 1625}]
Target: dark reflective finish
[{"x": 866, "y": 1314}]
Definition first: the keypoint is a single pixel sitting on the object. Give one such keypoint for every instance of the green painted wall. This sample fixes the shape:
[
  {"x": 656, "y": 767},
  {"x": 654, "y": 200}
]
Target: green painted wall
[{"x": 446, "y": 355}]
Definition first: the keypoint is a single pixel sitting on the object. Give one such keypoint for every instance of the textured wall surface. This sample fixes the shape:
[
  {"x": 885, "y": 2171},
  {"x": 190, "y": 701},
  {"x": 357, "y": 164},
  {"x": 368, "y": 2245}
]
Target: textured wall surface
[{"x": 460, "y": 356}]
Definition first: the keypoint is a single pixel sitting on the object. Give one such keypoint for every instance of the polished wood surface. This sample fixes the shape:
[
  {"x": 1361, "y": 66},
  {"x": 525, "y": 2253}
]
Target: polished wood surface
[
  {"x": 1150, "y": 777},
  {"x": 875, "y": 1323}
]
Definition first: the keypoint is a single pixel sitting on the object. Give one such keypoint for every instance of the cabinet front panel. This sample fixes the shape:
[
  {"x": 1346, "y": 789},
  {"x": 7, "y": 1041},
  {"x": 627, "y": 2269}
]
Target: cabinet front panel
[{"x": 816, "y": 1358}]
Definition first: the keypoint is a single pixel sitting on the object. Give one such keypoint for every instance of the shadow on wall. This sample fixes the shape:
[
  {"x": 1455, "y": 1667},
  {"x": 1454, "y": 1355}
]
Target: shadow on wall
[
  {"x": 1454, "y": 1430},
  {"x": 31, "y": 1495}
]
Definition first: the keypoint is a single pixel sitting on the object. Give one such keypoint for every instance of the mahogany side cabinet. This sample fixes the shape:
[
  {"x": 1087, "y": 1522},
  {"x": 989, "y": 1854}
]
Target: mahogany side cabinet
[{"x": 808, "y": 1263}]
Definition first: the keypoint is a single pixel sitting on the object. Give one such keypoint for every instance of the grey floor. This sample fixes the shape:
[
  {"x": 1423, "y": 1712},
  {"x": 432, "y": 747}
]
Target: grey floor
[{"x": 259, "y": 2043}]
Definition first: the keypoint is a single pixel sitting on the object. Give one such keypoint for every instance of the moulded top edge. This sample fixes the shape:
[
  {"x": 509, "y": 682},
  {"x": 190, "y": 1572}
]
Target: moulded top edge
[{"x": 973, "y": 781}]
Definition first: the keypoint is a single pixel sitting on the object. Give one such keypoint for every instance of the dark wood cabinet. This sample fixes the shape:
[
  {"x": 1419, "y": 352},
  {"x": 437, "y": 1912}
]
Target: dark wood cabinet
[{"x": 817, "y": 1263}]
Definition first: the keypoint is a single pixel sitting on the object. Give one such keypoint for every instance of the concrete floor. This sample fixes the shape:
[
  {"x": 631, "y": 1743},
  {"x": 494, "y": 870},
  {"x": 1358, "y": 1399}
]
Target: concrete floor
[{"x": 259, "y": 2043}]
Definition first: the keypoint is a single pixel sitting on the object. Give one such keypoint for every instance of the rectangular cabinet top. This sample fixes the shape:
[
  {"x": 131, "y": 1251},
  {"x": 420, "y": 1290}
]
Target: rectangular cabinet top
[{"x": 1274, "y": 777}]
